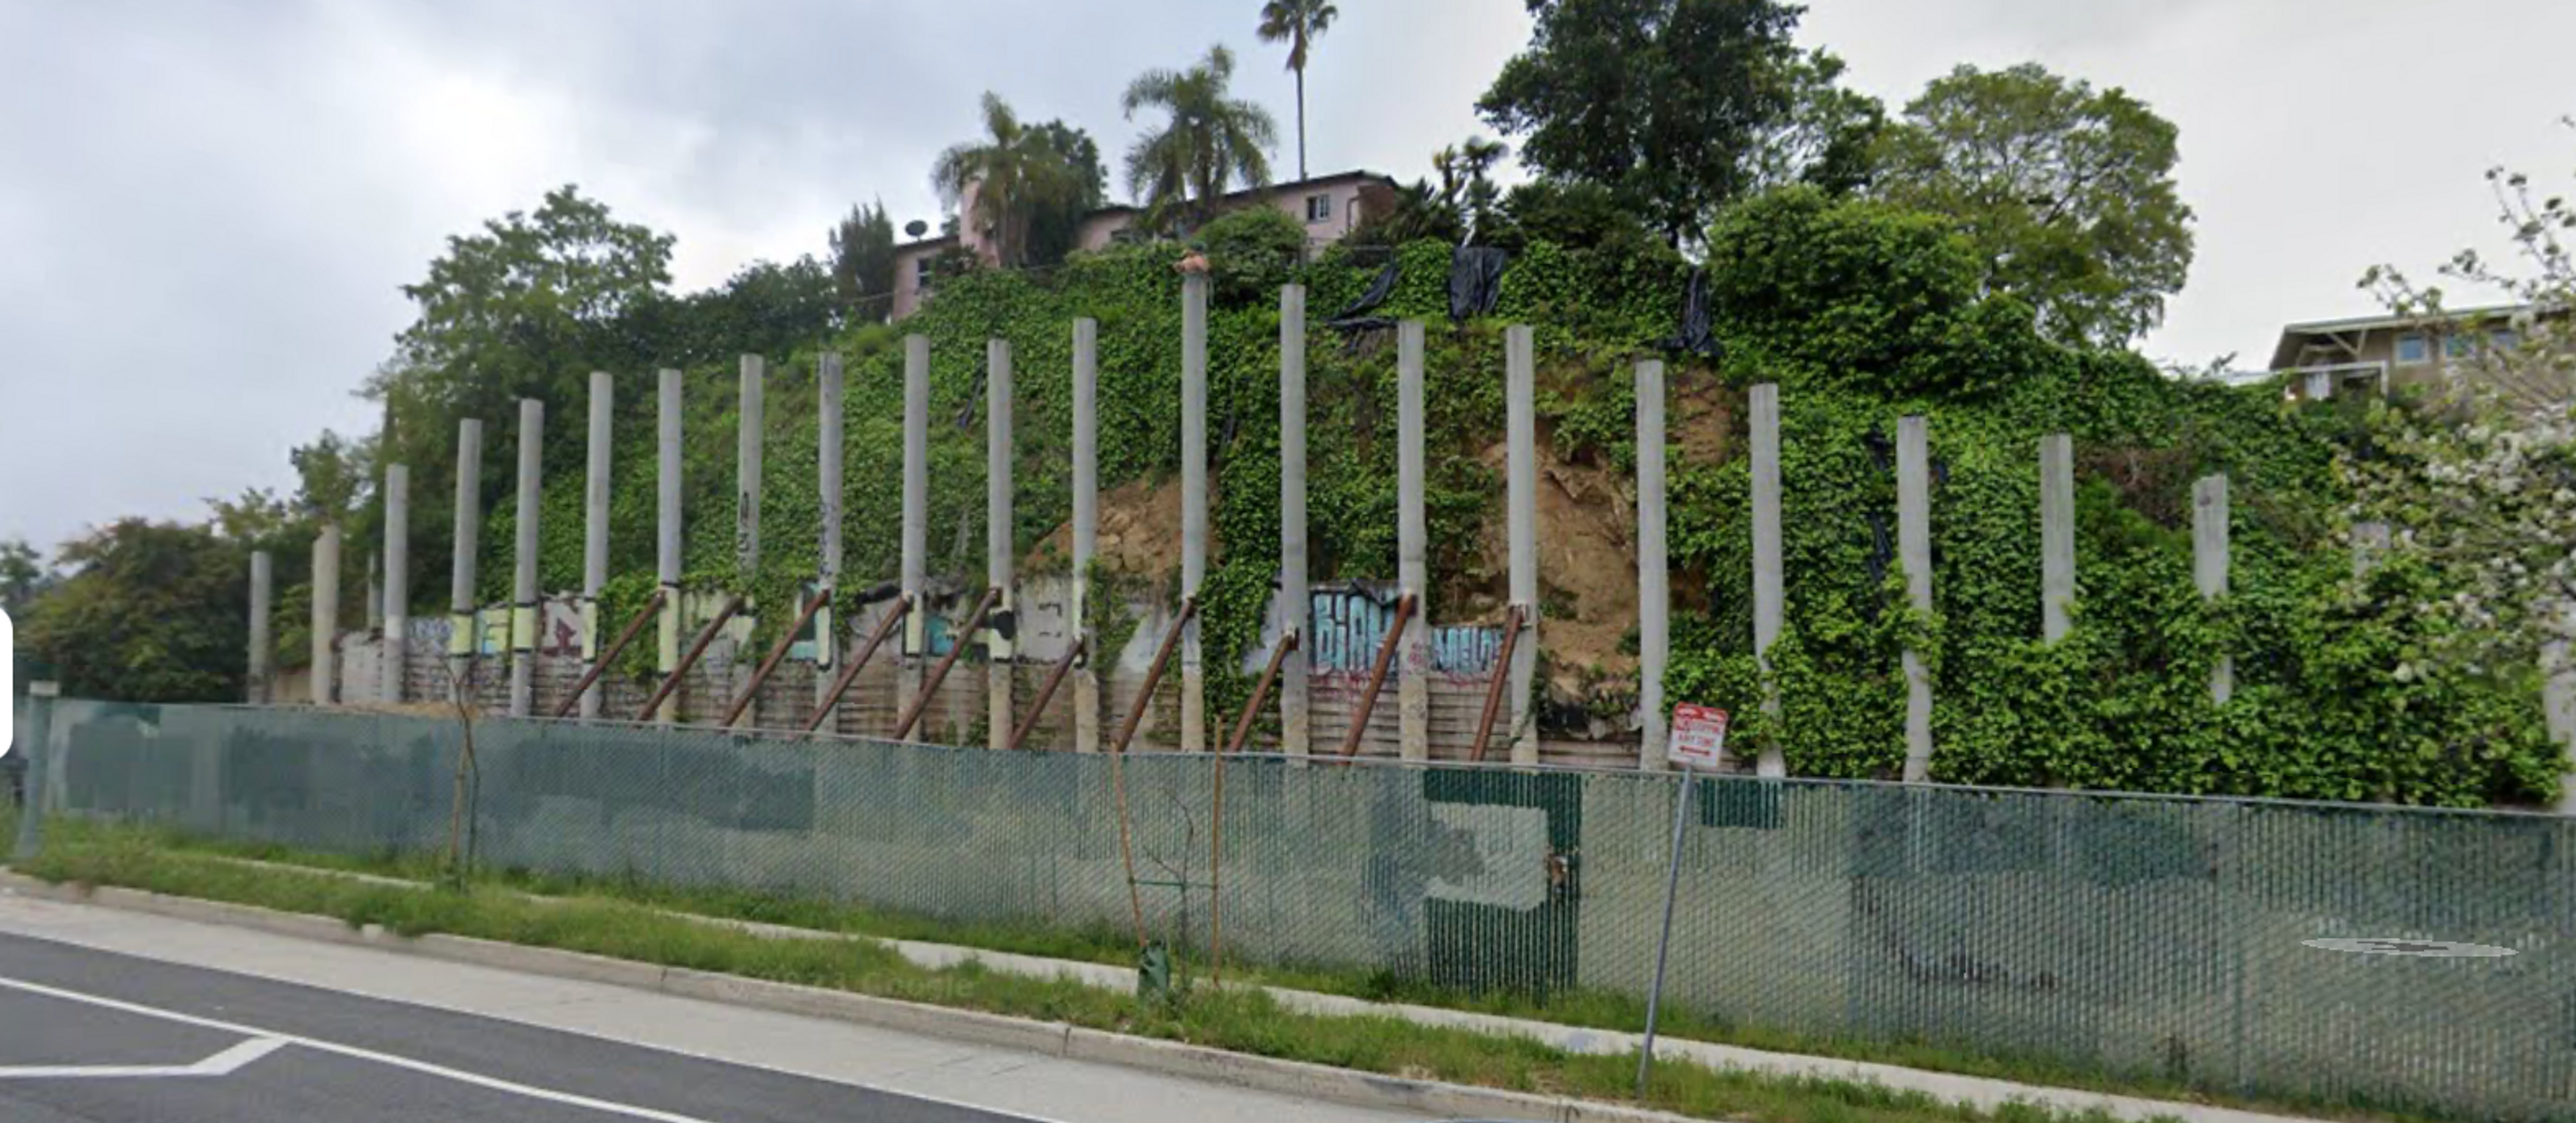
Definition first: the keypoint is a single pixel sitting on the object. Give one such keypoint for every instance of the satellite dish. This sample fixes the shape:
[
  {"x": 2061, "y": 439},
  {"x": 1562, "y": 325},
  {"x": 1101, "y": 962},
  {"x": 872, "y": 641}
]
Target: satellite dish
[{"x": 915, "y": 228}]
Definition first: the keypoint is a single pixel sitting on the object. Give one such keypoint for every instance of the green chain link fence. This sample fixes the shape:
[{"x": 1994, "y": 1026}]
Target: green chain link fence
[{"x": 2126, "y": 935}]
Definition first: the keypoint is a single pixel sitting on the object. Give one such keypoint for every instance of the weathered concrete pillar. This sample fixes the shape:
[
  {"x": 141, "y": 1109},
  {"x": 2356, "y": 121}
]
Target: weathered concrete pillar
[
  {"x": 1767, "y": 585},
  {"x": 916, "y": 515},
  {"x": 666, "y": 534},
  {"x": 1654, "y": 580},
  {"x": 1520, "y": 411},
  {"x": 524, "y": 605},
  {"x": 464, "y": 641},
  {"x": 326, "y": 612},
  {"x": 1296, "y": 726},
  {"x": 1086, "y": 530},
  {"x": 594, "y": 530},
  {"x": 2209, "y": 566},
  {"x": 2056, "y": 535},
  {"x": 746, "y": 525},
  {"x": 397, "y": 642},
  {"x": 1413, "y": 563},
  {"x": 828, "y": 386},
  {"x": 1000, "y": 716},
  {"x": 2558, "y": 709},
  {"x": 263, "y": 597},
  {"x": 1194, "y": 501},
  {"x": 1914, "y": 553}
]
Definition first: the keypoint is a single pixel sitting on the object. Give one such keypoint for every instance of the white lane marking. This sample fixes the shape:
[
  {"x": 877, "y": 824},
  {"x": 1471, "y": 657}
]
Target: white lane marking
[
  {"x": 355, "y": 1053},
  {"x": 221, "y": 1064}
]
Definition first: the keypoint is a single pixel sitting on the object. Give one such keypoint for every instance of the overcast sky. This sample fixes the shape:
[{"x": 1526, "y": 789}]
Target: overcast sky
[{"x": 207, "y": 207}]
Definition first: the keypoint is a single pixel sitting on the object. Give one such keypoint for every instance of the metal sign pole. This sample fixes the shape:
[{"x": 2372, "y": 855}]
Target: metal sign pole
[{"x": 1664, "y": 944}]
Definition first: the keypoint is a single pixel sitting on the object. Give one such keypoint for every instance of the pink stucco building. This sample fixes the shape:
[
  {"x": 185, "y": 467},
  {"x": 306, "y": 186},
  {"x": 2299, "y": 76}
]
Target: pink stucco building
[{"x": 1329, "y": 206}]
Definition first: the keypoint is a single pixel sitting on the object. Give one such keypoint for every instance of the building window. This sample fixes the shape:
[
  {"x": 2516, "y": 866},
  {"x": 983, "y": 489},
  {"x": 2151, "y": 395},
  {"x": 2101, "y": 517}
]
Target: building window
[
  {"x": 2458, "y": 345},
  {"x": 1319, "y": 208},
  {"x": 2502, "y": 339},
  {"x": 921, "y": 272},
  {"x": 2412, "y": 349}
]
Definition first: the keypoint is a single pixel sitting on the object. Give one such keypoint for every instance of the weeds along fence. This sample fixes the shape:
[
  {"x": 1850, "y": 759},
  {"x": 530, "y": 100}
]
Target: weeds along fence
[{"x": 2127, "y": 935}]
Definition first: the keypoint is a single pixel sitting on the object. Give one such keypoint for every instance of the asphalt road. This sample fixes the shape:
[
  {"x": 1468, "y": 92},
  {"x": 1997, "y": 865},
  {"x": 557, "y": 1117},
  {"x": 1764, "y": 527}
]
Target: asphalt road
[{"x": 99, "y": 1037}]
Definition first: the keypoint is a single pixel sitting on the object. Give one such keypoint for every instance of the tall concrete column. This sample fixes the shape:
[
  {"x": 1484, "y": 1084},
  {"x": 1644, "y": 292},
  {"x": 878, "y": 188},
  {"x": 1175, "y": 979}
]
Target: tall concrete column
[
  {"x": 1520, "y": 411},
  {"x": 523, "y": 585},
  {"x": 828, "y": 385},
  {"x": 594, "y": 530},
  {"x": 1654, "y": 580},
  {"x": 1914, "y": 553},
  {"x": 1194, "y": 501},
  {"x": 397, "y": 645},
  {"x": 326, "y": 612},
  {"x": 263, "y": 598},
  {"x": 998, "y": 524},
  {"x": 1296, "y": 726},
  {"x": 746, "y": 519},
  {"x": 2056, "y": 535},
  {"x": 666, "y": 534},
  {"x": 1413, "y": 563},
  {"x": 464, "y": 639},
  {"x": 2209, "y": 566},
  {"x": 2558, "y": 699},
  {"x": 1086, "y": 530},
  {"x": 916, "y": 516},
  {"x": 1767, "y": 583}
]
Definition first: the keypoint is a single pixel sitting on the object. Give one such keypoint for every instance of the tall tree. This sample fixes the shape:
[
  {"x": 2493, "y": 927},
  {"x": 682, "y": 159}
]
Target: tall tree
[
  {"x": 1212, "y": 139},
  {"x": 2067, "y": 191},
  {"x": 1004, "y": 179},
  {"x": 152, "y": 612},
  {"x": 1297, "y": 23},
  {"x": 863, "y": 264},
  {"x": 1665, "y": 102},
  {"x": 1467, "y": 185},
  {"x": 1056, "y": 229},
  {"x": 22, "y": 576}
]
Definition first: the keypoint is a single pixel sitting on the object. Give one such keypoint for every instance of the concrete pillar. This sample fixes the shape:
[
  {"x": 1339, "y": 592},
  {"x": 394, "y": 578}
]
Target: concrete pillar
[
  {"x": 1413, "y": 563},
  {"x": 1296, "y": 726},
  {"x": 1520, "y": 396},
  {"x": 2209, "y": 565},
  {"x": 397, "y": 643},
  {"x": 1086, "y": 529},
  {"x": 998, "y": 525},
  {"x": 523, "y": 583},
  {"x": 594, "y": 530},
  {"x": 375, "y": 598},
  {"x": 2056, "y": 535},
  {"x": 666, "y": 534},
  {"x": 828, "y": 385},
  {"x": 263, "y": 598},
  {"x": 1194, "y": 501},
  {"x": 464, "y": 643},
  {"x": 1914, "y": 553},
  {"x": 746, "y": 520},
  {"x": 1767, "y": 584},
  {"x": 2558, "y": 697},
  {"x": 1654, "y": 579},
  {"x": 326, "y": 612},
  {"x": 916, "y": 515}
]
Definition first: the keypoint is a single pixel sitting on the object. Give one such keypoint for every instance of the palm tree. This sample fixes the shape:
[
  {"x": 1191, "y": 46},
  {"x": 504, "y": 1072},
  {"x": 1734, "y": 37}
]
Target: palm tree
[
  {"x": 1212, "y": 139},
  {"x": 1013, "y": 173},
  {"x": 1297, "y": 23}
]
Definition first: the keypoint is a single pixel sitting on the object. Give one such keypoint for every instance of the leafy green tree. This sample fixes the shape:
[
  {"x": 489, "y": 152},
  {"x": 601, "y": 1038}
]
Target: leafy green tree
[
  {"x": 23, "y": 577},
  {"x": 2066, "y": 191},
  {"x": 1665, "y": 102},
  {"x": 1298, "y": 23},
  {"x": 765, "y": 309},
  {"x": 1830, "y": 137},
  {"x": 1211, "y": 140},
  {"x": 1055, "y": 230},
  {"x": 152, "y": 612},
  {"x": 1005, "y": 179},
  {"x": 863, "y": 264},
  {"x": 1466, "y": 182}
]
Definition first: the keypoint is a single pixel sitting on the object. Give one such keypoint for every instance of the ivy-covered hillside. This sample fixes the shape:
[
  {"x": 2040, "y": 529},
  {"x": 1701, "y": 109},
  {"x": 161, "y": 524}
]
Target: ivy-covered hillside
[{"x": 1862, "y": 313}]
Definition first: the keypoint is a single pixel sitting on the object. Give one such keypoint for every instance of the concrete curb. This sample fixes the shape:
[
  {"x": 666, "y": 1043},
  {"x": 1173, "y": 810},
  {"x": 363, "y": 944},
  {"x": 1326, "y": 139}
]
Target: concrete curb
[{"x": 1294, "y": 1078}]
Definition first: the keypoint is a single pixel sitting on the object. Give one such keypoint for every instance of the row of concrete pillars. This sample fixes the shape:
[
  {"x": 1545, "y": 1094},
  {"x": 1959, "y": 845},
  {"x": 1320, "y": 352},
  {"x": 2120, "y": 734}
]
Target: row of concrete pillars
[{"x": 1411, "y": 648}]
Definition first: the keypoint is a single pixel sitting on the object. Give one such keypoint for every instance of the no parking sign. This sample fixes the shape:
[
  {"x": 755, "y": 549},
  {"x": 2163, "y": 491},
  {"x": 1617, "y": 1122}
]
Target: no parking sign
[{"x": 1698, "y": 737}]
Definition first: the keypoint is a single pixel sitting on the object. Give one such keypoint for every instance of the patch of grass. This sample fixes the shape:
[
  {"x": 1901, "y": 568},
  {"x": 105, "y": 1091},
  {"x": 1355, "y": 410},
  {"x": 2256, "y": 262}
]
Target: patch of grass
[{"x": 1245, "y": 1021}]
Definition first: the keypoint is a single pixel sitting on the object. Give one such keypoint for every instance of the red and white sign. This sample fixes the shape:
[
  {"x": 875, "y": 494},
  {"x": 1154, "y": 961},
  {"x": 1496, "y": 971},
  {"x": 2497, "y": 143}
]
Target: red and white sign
[{"x": 1698, "y": 736}]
